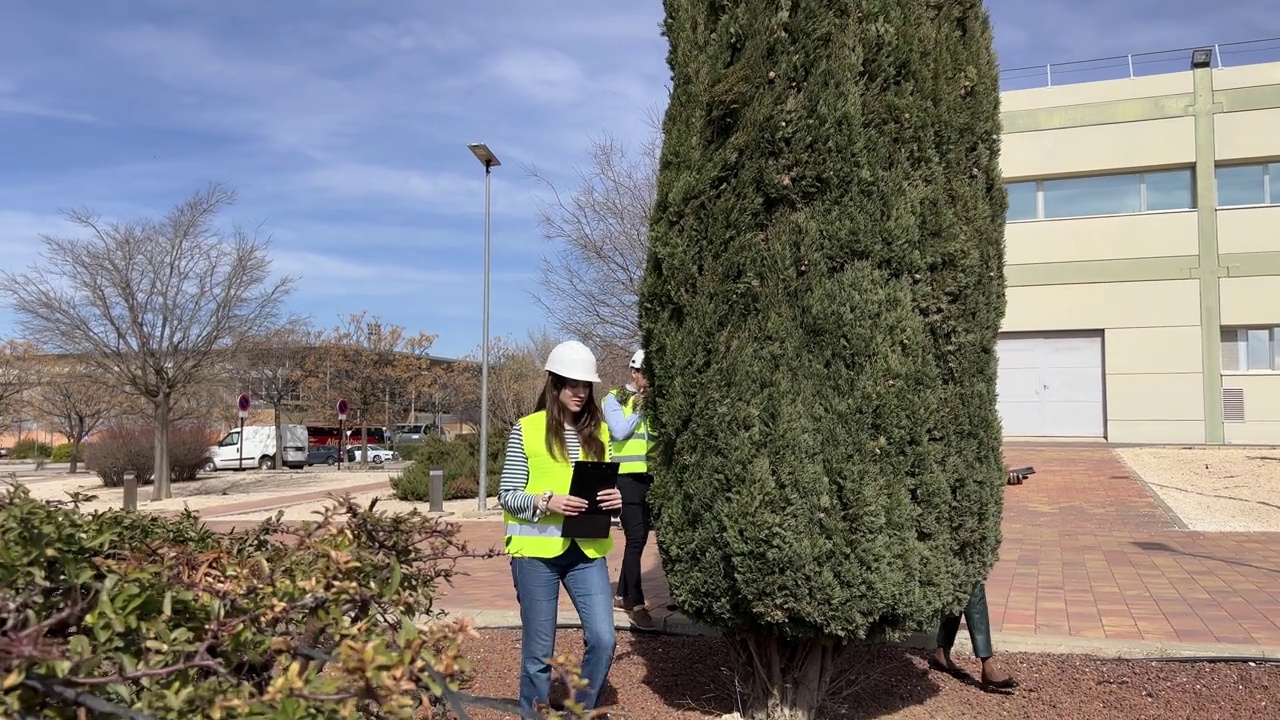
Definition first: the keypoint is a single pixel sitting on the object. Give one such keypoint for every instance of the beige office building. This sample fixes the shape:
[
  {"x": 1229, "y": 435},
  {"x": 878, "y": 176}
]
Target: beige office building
[{"x": 1143, "y": 258}]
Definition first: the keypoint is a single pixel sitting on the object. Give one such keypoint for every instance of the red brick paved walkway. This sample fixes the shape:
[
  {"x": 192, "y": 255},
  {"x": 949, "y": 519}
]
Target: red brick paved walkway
[{"x": 1087, "y": 553}]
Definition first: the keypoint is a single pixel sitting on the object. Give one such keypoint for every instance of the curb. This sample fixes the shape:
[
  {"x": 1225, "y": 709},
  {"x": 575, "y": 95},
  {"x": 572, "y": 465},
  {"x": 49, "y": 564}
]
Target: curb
[
  {"x": 1003, "y": 642},
  {"x": 280, "y": 502}
]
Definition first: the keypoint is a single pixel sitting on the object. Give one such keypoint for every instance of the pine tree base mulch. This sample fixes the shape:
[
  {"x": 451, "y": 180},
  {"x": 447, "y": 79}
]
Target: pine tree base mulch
[{"x": 667, "y": 678}]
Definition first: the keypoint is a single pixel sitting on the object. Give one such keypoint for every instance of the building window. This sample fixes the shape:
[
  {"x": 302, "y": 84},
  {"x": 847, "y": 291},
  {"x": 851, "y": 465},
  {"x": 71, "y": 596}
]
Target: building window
[
  {"x": 1250, "y": 349},
  {"x": 1248, "y": 185},
  {"x": 1023, "y": 201},
  {"x": 1100, "y": 195}
]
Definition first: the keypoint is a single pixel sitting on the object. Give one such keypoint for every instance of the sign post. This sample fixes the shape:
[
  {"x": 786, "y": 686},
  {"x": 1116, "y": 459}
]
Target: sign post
[
  {"x": 242, "y": 406},
  {"x": 343, "y": 407}
]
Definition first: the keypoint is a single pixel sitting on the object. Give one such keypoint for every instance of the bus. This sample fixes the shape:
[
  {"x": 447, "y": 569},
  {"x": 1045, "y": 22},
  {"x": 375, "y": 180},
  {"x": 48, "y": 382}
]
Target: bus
[{"x": 321, "y": 435}]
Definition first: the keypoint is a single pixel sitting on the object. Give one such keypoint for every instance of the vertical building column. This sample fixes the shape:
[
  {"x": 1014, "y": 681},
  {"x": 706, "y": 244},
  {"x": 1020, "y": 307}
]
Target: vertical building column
[{"x": 1209, "y": 270}]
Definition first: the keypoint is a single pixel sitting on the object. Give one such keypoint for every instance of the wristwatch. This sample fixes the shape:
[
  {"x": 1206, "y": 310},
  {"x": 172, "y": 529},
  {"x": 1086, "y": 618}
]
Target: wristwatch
[{"x": 545, "y": 504}]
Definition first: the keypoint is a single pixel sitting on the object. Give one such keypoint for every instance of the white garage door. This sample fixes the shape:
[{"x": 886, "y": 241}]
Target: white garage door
[{"x": 1050, "y": 385}]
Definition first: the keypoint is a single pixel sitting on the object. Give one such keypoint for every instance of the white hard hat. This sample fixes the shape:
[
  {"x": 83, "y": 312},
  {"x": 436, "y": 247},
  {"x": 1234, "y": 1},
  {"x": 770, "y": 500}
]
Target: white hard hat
[
  {"x": 637, "y": 360},
  {"x": 573, "y": 360}
]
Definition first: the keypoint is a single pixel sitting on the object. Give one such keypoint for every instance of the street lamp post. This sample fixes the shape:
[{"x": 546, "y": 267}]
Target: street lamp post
[{"x": 490, "y": 161}]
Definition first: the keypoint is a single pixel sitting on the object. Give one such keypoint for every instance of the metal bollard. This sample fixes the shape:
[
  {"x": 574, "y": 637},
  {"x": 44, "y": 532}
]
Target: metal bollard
[
  {"x": 130, "y": 492},
  {"x": 437, "y": 488}
]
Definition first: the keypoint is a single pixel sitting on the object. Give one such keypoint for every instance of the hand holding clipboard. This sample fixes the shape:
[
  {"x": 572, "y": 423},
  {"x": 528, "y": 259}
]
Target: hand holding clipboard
[{"x": 590, "y": 480}]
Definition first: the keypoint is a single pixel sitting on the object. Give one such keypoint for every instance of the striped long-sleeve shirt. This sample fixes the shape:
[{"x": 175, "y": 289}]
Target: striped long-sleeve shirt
[{"x": 515, "y": 475}]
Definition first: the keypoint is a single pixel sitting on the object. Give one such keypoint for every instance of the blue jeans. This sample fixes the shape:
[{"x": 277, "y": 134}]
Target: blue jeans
[{"x": 537, "y": 582}]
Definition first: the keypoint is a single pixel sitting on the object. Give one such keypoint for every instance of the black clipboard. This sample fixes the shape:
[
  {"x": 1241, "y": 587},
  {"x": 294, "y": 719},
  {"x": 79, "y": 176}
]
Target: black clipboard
[{"x": 589, "y": 478}]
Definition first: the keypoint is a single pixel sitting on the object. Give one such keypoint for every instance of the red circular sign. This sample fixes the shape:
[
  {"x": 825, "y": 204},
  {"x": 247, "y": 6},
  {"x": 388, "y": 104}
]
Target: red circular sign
[
  {"x": 343, "y": 406},
  {"x": 243, "y": 402}
]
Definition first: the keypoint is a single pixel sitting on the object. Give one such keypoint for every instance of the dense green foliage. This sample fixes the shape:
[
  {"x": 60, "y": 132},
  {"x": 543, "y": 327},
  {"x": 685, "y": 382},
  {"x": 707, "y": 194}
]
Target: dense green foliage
[
  {"x": 460, "y": 460},
  {"x": 820, "y": 309},
  {"x": 134, "y": 615},
  {"x": 62, "y": 453},
  {"x": 414, "y": 483},
  {"x": 30, "y": 449}
]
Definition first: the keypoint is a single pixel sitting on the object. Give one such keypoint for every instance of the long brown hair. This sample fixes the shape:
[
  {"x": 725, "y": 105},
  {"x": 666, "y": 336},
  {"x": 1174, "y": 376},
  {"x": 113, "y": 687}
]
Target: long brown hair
[{"x": 587, "y": 422}]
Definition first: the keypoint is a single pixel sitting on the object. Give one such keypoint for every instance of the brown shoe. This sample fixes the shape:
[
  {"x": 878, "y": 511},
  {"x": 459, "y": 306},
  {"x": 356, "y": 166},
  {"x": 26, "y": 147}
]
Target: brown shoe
[{"x": 641, "y": 619}]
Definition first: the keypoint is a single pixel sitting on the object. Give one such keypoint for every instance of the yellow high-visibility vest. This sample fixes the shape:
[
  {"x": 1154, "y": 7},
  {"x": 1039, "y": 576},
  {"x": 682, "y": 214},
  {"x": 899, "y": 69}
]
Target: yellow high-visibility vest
[
  {"x": 632, "y": 454},
  {"x": 543, "y": 539}
]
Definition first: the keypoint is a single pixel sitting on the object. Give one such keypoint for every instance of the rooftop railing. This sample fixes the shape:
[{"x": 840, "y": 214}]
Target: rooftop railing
[{"x": 1119, "y": 67}]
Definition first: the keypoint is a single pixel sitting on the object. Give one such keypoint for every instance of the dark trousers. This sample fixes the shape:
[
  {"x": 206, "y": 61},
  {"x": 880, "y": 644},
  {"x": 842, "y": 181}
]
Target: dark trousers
[
  {"x": 636, "y": 523},
  {"x": 976, "y": 619}
]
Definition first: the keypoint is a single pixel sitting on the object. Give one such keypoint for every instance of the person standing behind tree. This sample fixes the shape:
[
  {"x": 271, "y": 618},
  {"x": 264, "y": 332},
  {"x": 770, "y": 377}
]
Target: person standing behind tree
[{"x": 629, "y": 429}]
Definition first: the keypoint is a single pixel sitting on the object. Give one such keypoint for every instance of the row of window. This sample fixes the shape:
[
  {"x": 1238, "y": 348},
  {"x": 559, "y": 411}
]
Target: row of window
[
  {"x": 1245, "y": 349},
  {"x": 1130, "y": 193}
]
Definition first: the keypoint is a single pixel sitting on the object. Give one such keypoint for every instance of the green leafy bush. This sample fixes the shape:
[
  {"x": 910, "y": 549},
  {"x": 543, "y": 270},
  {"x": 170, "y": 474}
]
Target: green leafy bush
[
  {"x": 461, "y": 462},
  {"x": 121, "y": 449},
  {"x": 413, "y": 484},
  {"x": 117, "y": 613},
  {"x": 30, "y": 449},
  {"x": 410, "y": 452},
  {"x": 62, "y": 453}
]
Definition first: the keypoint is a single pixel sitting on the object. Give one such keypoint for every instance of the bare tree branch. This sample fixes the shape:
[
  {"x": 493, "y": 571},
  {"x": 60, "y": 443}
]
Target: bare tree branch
[
  {"x": 151, "y": 302},
  {"x": 599, "y": 232},
  {"x": 516, "y": 376},
  {"x": 375, "y": 366},
  {"x": 17, "y": 374},
  {"x": 76, "y": 398}
]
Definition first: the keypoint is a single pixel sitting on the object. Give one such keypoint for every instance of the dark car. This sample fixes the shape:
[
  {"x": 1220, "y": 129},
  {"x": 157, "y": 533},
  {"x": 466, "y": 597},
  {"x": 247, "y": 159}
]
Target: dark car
[{"x": 323, "y": 455}]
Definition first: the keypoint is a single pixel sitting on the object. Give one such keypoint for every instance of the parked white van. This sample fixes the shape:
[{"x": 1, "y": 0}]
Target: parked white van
[{"x": 259, "y": 449}]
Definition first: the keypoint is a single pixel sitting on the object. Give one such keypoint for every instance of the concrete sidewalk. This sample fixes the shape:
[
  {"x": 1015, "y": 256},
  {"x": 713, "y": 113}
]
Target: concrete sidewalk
[{"x": 1090, "y": 562}]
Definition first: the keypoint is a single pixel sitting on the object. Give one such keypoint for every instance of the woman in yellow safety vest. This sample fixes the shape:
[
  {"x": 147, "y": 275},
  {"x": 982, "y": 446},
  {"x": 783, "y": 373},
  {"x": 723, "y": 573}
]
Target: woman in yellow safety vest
[{"x": 534, "y": 493}]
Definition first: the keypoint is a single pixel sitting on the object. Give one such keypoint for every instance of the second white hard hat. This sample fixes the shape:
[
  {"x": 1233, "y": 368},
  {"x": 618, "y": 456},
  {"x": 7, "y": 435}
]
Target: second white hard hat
[
  {"x": 637, "y": 360},
  {"x": 573, "y": 360}
]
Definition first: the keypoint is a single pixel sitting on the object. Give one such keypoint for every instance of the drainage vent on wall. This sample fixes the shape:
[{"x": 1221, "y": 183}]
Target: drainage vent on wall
[{"x": 1233, "y": 405}]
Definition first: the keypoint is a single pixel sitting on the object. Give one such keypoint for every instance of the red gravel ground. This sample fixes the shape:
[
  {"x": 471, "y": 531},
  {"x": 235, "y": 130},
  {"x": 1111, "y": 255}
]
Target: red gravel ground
[{"x": 664, "y": 678}]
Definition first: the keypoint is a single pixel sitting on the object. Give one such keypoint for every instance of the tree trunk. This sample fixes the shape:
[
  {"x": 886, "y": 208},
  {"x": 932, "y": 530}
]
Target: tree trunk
[
  {"x": 160, "y": 485},
  {"x": 279, "y": 436},
  {"x": 364, "y": 443},
  {"x": 76, "y": 439},
  {"x": 783, "y": 680}
]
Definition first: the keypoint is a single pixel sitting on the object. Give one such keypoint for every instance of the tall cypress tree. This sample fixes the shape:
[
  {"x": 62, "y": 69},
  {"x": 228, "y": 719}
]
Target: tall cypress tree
[{"x": 820, "y": 308}]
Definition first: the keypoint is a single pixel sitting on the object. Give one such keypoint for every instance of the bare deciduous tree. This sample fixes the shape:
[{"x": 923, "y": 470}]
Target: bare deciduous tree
[
  {"x": 599, "y": 233},
  {"x": 152, "y": 303},
  {"x": 274, "y": 368},
  {"x": 76, "y": 399},
  {"x": 17, "y": 373},
  {"x": 367, "y": 362},
  {"x": 516, "y": 377}
]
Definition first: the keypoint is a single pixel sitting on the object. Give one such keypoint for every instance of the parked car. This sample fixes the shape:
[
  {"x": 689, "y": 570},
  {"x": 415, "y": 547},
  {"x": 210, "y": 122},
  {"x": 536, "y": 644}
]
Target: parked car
[
  {"x": 323, "y": 455},
  {"x": 377, "y": 455},
  {"x": 409, "y": 434},
  {"x": 4, "y": 452}
]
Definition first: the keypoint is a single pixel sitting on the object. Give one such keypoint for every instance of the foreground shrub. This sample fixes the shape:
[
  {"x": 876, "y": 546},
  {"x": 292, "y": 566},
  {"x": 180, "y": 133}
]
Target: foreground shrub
[
  {"x": 413, "y": 484},
  {"x": 30, "y": 449},
  {"x": 121, "y": 449},
  {"x": 134, "y": 615}
]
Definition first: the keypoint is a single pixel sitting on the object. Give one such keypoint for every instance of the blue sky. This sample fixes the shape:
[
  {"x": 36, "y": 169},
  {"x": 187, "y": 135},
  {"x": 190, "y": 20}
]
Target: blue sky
[{"x": 344, "y": 124}]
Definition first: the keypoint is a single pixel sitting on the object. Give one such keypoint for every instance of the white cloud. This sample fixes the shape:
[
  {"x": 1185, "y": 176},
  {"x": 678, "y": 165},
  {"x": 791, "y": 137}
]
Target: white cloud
[
  {"x": 364, "y": 271},
  {"x": 20, "y": 234},
  {"x": 546, "y": 75}
]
